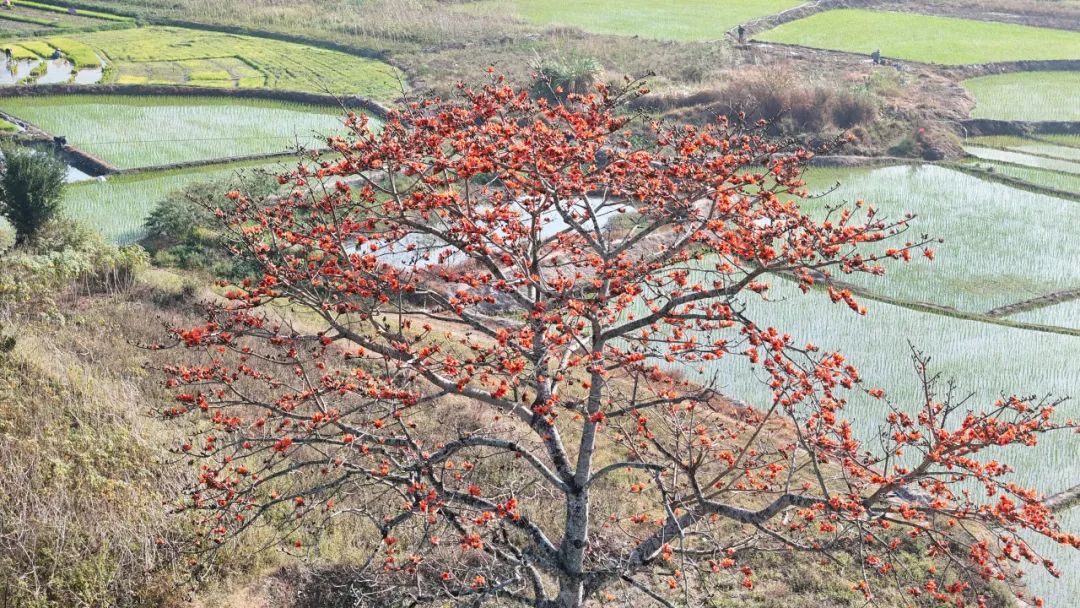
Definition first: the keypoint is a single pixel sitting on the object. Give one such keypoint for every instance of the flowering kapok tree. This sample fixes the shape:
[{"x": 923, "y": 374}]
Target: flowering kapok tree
[{"x": 463, "y": 350}]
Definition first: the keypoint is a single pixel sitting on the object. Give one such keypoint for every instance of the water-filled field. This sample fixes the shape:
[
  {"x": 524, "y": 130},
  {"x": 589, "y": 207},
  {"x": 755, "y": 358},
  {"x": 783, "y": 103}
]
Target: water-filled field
[
  {"x": 1042, "y": 178},
  {"x": 1021, "y": 158},
  {"x": 1036, "y": 145},
  {"x": 169, "y": 55},
  {"x": 119, "y": 206},
  {"x": 1026, "y": 95},
  {"x": 926, "y": 38},
  {"x": 986, "y": 360},
  {"x": 1064, "y": 314},
  {"x": 990, "y": 256},
  {"x": 685, "y": 20},
  {"x": 128, "y": 131}
]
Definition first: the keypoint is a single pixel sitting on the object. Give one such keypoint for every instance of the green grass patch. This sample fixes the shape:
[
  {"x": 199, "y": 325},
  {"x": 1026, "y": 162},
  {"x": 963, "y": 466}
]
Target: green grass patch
[
  {"x": 119, "y": 206},
  {"x": 172, "y": 55},
  {"x": 1026, "y": 96},
  {"x": 1026, "y": 145},
  {"x": 130, "y": 131},
  {"x": 1052, "y": 150},
  {"x": 685, "y": 20},
  {"x": 7, "y": 127},
  {"x": 924, "y": 38}
]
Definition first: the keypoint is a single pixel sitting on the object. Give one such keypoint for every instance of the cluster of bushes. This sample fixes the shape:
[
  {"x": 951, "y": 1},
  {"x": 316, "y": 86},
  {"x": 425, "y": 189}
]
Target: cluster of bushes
[
  {"x": 182, "y": 232},
  {"x": 789, "y": 106},
  {"x": 63, "y": 258}
]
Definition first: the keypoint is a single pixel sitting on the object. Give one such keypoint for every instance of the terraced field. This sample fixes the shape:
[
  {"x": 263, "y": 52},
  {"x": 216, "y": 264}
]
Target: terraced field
[
  {"x": 1027, "y": 145},
  {"x": 167, "y": 55},
  {"x": 1065, "y": 314},
  {"x": 987, "y": 359},
  {"x": 1021, "y": 158},
  {"x": 1026, "y": 96},
  {"x": 924, "y": 38},
  {"x": 119, "y": 206},
  {"x": 685, "y": 20},
  {"x": 27, "y": 17},
  {"x": 130, "y": 132},
  {"x": 1043, "y": 178},
  {"x": 79, "y": 54},
  {"x": 1072, "y": 141},
  {"x": 987, "y": 259}
]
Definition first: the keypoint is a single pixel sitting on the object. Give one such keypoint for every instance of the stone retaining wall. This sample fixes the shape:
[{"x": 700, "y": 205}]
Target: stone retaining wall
[{"x": 988, "y": 126}]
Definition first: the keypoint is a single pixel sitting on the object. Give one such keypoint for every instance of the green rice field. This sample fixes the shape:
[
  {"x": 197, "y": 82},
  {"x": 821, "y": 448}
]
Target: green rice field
[
  {"x": 987, "y": 360},
  {"x": 987, "y": 258},
  {"x": 169, "y": 55},
  {"x": 1020, "y": 158},
  {"x": 1061, "y": 139},
  {"x": 1026, "y": 96},
  {"x": 29, "y": 17},
  {"x": 1054, "y": 180},
  {"x": 130, "y": 132},
  {"x": 1027, "y": 145},
  {"x": 79, "y": 54},
  {"x": 1064, "y": 314},
  {"x": 119, "y": 206},
  {"x": 924, "y": 38},
  {"x": 686, "y": 20}
]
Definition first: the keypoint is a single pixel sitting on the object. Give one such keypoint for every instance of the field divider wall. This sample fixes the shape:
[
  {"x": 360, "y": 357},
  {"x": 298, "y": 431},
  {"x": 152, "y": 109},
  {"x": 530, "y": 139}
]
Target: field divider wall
[
  {"x": 210, "y": 162},
  {"x": 974, "y": 127},
  {"x": 1049, "y": 299}
]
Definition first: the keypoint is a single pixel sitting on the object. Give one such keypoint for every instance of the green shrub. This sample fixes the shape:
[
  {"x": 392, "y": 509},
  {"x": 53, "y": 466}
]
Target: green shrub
[
  {"x": 181, "y": 232},
  {"x": 63, "y": 258},
  {"x": 559, "y": 77},
  {"x": 31, "y": 188},
  {"x": 905, "y": 147}
]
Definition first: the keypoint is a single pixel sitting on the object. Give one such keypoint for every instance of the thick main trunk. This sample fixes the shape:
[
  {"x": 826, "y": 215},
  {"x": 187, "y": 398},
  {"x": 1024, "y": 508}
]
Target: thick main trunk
[
  {"x": 571, "y": 581},
  {"x": 571, "y": 593}
]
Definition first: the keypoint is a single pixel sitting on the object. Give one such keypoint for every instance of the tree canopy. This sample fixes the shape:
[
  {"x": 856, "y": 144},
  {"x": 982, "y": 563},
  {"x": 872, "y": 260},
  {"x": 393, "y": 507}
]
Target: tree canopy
[{"x": 468, "y": 338}]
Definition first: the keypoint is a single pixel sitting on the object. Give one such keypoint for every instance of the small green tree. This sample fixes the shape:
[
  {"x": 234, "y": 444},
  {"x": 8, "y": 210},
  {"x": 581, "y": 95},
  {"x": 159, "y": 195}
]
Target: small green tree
[{"x": 31, "y": 188}]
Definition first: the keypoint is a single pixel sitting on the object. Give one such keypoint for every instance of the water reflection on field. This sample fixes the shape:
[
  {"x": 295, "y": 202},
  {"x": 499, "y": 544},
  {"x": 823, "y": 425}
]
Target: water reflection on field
[{"x": 56, "y": 71}]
